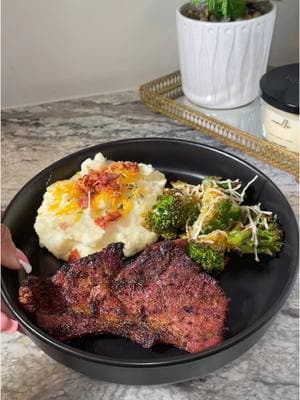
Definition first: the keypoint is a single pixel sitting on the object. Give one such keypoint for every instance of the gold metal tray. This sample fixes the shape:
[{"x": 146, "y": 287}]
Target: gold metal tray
[{"x": 160, "y": 95}]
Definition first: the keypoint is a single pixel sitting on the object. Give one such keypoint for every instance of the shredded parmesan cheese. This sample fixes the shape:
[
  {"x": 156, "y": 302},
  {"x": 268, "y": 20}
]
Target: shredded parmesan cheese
[
  {"x": 233, "y": 189},
  {"x": 253, "y": 228},
  {"x": 89, "y": 200},
  {"x": 205, "y": 240},
  {"x": 260, "y": 217},
  {"x": 196, "y": 229},
  {"x": 219, "y": 192},
  {"x": 233, "y": 193},
  {"x": 189, "y": 190},
  {"x": 246, "y": 187}
]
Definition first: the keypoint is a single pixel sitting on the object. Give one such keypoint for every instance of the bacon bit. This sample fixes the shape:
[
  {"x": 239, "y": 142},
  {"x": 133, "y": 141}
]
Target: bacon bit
[
  {"x": 95, "y": 181},
  {"x": 63, "y": 225},
  {"x": 74, "y": 255},
  {"x": 103, "y": 222},
  {"x": 84, "y": 201},
  {"x": 106, "y": 178}
]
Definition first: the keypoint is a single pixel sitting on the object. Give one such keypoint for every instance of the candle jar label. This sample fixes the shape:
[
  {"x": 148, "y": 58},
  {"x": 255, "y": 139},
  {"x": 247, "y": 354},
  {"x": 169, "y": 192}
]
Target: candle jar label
[{"x": 281, "y": 127}]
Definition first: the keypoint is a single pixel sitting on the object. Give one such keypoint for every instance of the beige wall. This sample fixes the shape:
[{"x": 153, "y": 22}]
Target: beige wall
[
  {"x": 69, "y": 48},
  {"x": 285, "y": 46}
]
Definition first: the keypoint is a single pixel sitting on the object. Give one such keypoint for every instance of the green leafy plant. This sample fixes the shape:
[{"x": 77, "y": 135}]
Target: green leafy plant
[{"x": 232, "y": 9}]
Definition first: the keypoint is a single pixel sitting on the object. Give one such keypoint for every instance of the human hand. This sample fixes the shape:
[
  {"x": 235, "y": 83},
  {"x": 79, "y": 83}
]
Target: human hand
[{"x": 12, "y": 258}]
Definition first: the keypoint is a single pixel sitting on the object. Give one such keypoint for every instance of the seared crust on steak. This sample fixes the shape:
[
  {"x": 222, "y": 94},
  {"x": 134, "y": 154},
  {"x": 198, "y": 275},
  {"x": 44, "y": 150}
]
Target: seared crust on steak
[{"x": 160, "y": 297}]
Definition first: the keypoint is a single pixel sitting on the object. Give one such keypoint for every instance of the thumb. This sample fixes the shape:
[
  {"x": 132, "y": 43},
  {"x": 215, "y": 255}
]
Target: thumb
[
  {"x": 11, "y": 257},
  {"x": 7, "y": 324},
  {"x": 8, "y": 249}
]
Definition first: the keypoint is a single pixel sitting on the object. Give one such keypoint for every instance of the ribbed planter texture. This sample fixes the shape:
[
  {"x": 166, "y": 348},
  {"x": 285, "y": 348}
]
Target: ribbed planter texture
[{"x": 221, "y": 63}]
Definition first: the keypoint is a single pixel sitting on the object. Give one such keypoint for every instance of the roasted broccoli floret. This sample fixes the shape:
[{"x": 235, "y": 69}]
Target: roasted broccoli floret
[
  {"x": 268, "y": 239},
  {"x": 218, "y": 239},
  {"x": 211, "y": 259},
  {"x": 218, "y": 210},
  {"x": 218, "y": 213},
  {"x": 169, "y": 215},
  {"x": 190, "y": 212},
  {"x": 223, "y": 215}
]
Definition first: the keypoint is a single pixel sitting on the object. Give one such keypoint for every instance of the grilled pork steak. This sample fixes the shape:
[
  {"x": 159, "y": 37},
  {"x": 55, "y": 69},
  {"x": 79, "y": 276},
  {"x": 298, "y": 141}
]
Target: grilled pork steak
[{"x": 160, "y": 297}]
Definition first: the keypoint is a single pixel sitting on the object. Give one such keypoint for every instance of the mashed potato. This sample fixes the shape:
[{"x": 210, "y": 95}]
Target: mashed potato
[{"x": 105, "y": 202}]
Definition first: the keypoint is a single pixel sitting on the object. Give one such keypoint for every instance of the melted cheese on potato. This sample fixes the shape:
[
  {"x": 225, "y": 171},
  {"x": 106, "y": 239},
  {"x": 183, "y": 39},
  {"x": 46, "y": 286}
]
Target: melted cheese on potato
[{"x": 104, "y": 202}]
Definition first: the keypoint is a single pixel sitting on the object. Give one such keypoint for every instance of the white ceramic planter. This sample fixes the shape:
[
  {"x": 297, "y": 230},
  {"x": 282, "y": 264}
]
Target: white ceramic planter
[{"x": 221, "y": 63}]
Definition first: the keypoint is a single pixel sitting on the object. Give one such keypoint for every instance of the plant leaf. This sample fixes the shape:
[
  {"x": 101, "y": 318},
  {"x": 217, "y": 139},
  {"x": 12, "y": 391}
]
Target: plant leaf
[
  {"x": 196, "y": 3},
  {"x": 232, "y": 9}
]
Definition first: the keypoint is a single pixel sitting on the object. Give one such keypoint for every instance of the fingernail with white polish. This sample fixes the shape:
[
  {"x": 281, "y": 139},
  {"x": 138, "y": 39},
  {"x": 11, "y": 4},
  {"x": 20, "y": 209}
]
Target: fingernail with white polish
[{"x": 25, "y": 265}]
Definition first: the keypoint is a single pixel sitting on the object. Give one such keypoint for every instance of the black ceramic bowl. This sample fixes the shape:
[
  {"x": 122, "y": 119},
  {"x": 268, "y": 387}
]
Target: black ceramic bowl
[{"x": 257, "y": 290}]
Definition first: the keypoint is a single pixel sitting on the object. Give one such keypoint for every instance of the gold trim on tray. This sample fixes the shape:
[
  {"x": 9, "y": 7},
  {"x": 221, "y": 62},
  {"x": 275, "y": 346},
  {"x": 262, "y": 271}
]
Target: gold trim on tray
[{"x": 159, "y": 96}]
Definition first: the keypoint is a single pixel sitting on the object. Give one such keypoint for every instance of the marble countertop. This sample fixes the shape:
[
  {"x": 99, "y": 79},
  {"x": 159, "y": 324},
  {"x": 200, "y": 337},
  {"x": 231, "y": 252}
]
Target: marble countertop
[{"x": 32, "y": 138}]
